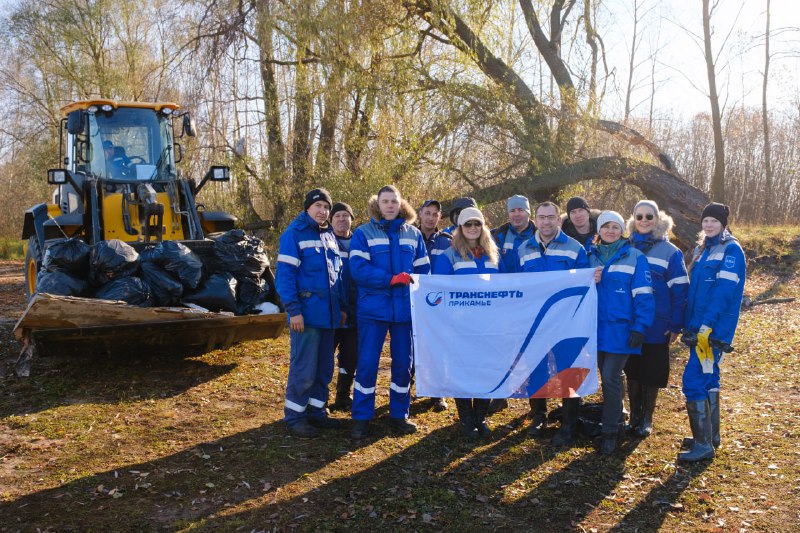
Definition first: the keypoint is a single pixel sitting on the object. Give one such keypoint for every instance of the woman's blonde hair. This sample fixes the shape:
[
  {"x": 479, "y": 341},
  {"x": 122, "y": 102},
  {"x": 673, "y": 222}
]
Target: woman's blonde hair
[{"x": 485, "y": 241}]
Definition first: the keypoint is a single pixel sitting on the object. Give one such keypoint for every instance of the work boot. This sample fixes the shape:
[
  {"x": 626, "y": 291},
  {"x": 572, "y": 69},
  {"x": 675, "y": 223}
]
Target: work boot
[
  {"x": 649, "y": 396},
  {"x": 466, "y": 421},
  {"x": 609, "y": 443},
  {"x": 497, "y": 405},
  {"x": 402, "y": 425},
  {"x": 303, "y": 429},
  {"x": 635, "y": 399},
  {"x": 569, "y": 422},
  {"x": 538, "y": 416},
  {"x": 360, "y": 430},
  {"x": 343, "y": 401},
  {"x": 480, "y": 408},
  {"x": 700, "y": 422}
]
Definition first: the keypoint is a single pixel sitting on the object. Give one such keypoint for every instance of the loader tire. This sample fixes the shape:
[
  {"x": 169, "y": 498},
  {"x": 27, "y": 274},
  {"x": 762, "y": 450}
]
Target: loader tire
[{"x": 33, "y": 262}]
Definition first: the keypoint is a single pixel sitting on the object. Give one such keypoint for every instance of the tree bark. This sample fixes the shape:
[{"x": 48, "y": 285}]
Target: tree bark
[
  {"x": 718, "y": 179},
  {"x": 683, "y": 202},
  {"x": 765, "y": 120}
]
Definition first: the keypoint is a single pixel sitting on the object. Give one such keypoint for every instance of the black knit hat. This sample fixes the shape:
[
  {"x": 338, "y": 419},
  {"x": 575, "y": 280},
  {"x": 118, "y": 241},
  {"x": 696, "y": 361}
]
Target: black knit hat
[
  {"x": 459, "y": 204},
  {"x": 341, "y": 206},
  {"x": 315, "y": 196},
  {"x": 718, "y": 211},
  {"x": 577, "y": 202}
]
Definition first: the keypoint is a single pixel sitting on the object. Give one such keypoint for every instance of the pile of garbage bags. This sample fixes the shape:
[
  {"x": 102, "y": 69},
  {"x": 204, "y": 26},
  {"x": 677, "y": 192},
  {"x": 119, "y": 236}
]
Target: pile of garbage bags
[{"x": 165, "y": 274}]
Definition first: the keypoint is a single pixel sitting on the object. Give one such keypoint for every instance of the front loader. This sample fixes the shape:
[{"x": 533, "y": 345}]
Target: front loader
[{"x": 119, "y": 180}]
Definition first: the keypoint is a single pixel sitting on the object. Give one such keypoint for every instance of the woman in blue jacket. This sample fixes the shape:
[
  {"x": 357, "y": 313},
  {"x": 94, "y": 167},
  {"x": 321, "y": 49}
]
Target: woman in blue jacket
[
  {"x": 308, "y": 280},
  {"x": 625, "y": 311},
  {"x": 473, "y": 252},
  {"x": 649, "y": 229},
  {"x": 384, "y": 253},
  {"x": 717, "y": 274}
]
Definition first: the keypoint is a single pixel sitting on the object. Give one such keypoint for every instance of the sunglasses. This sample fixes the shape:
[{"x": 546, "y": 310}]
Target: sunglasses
[
  {"x": 472, "y": 224},
  {"x": 648, "y": 216}
]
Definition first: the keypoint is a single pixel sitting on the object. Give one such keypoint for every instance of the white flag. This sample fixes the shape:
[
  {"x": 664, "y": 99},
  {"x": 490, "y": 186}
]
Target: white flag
[{"x": 505, "y": 335}]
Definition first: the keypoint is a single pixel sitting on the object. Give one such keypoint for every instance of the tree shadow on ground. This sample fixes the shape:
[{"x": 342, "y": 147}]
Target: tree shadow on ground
[{"x": 57, "y": 381}]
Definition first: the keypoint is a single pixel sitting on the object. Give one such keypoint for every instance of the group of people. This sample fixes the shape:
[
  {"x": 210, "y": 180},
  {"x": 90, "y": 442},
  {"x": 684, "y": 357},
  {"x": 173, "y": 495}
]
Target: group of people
[{"x": 347, "y": 289}]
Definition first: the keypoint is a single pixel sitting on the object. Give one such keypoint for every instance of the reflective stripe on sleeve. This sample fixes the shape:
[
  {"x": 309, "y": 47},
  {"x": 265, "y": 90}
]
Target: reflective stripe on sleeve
[
  {"x": 409, "y": 242},
  {"x": 437, "y": 251},
  {"x": 378, "y": 242},
  {"x": 359, "y": 253},
  {"x": 658, "y": 262},
  {"x": 677, "y": 281},
  {"x": 344, "y": 254},
  {"x": 310, "y": 244},
  {"x": 283, "y": 258},
  {"x": 422, "y": 261},
  {"x": 731, "y": 276},
  {"x": 564, "y": 253},
  {"x": 641, "y": 290}
]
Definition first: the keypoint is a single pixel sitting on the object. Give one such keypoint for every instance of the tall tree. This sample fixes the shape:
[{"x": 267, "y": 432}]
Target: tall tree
[
  {"x": 718, "y": 179},
  {"x": 765, "y": 122}
]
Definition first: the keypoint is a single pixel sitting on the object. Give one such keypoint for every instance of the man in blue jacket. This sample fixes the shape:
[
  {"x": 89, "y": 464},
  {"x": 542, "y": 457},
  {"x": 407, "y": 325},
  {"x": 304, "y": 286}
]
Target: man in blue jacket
[
  {"x": 513, "y": 233},
  {"x": 308, "y": 280},
  {"x": 550, "y": 249},
  {"x": 384, "y": 253}
]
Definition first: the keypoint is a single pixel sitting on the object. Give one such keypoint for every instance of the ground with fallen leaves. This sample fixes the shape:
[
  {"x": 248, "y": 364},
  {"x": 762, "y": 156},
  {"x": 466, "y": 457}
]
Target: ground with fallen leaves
[{"x": 197, "y": 444}]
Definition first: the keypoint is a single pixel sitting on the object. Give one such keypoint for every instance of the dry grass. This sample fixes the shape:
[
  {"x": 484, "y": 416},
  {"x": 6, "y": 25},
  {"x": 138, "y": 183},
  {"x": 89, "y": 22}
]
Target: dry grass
[{"x": 198, "y": 444}]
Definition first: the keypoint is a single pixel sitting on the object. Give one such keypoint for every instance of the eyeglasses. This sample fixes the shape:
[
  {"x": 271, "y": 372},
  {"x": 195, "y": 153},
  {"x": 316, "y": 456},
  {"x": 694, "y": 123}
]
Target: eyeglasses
[
  {"x": 547, "y": 217},
  {"x": 472, "y": 224},
  {"x": 648, "y": 216}
]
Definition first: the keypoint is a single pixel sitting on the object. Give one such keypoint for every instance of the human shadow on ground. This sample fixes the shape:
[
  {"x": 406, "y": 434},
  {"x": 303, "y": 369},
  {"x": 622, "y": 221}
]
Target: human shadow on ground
[{"x": 57, "y": 381}]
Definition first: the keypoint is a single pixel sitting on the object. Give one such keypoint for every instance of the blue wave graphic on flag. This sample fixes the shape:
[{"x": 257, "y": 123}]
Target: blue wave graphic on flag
[{"x": 557, "y": 297}]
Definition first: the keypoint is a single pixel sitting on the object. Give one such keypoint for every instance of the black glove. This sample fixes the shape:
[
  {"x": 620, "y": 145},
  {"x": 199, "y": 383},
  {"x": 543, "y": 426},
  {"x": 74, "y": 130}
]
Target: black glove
[
  {"x": 689, "y": 338},
  {"x": 723, "y": 347},
  {"x": 635, "y": 339}
]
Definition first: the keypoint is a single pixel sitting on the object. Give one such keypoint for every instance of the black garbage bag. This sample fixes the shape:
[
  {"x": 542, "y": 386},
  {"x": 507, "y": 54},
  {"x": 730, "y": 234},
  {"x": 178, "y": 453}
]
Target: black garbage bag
[
  {"x": 217, "y": 293},
  {"x": 68, "y": 255},
  {"x": 110, "y": 260},
  {"x": 165, "y": 291},
  {"x": 240, "y": 254},
  {"x": 131, "y": 290},
  {"x": 249, "y": 293},
  {"x": 178, "y": 260},
  {"x": 61, "y": 284}
]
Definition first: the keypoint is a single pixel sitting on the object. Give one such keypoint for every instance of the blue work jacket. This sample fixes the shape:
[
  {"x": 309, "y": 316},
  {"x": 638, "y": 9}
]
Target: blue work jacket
[
  {"x": 508, "y": 241},
  {"x": 561, "y": 253},
  {"x": 451, "y": 262}
]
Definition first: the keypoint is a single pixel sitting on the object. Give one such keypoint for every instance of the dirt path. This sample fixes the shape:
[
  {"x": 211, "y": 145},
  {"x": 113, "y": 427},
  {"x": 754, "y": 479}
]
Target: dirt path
[{"x": 12, "y": 290}]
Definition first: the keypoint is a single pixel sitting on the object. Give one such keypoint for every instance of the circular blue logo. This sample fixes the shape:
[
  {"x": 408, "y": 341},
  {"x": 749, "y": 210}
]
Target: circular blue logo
[{"x": 434, "y": 298}]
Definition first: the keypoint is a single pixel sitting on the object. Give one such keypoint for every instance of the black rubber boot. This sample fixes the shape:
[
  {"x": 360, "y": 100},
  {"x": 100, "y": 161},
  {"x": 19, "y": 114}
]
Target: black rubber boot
[
  {"x": 343, "y": 401},
  {"x": 323, "y": 421},
  {"x": 700, "y": 422},
  {"x": 635, "y": 400},
  {"x": 360, "y": 430},
  {"x": 713, "y": 406},
  {"x": 480, "y": 408},
  {"x": 466, "y": 421},
  {"x": 538, "y": 416},
  {"x": 569, "y": 422},
  {"x": 402, "y": 425},
  {"x": 497, "y": 405},
  {"x": 649, "y": 397}
]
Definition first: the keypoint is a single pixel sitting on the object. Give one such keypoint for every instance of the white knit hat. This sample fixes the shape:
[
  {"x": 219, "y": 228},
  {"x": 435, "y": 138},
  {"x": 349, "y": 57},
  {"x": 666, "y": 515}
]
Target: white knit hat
[
  {"x": 470, "y": 213},
  {"x": 610, "y": 216},
  {"x": 649, "y": 203}
]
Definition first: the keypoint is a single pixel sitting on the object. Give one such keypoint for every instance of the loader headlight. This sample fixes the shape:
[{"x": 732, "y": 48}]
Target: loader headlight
[
  {"x": 166, "y": 111},
  {"x": 107, "y": 107}
]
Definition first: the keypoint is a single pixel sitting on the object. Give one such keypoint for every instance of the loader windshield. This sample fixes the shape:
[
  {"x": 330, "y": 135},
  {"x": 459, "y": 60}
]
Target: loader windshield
[{"x": 131, "y": 144}]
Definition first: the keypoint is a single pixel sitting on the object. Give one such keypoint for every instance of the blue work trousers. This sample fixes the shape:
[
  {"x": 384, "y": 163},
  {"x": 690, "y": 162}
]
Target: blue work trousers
[
  {"x": 310, "y": 373},
  {"x": 371, "y": 336},
  {"x": 696, "y": 384}
]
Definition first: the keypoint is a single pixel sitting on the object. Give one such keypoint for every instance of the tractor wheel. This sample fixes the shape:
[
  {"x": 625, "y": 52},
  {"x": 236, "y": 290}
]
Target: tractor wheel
[{"x": 33, "y": 262}]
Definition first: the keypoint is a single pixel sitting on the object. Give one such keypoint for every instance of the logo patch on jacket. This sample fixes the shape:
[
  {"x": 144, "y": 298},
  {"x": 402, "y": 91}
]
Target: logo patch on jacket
[
  {"x": 647, "y": 276},
  {"x": 730, "y": 261}
]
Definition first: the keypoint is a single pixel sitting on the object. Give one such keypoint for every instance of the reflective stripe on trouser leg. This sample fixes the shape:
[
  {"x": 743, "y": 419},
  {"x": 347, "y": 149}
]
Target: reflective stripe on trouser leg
[
  {"x": 400, "y": 387},
  {"x": 303, "y": 358},
  {"x": 696, "y": 384},
  {"x": 347, "y": 342},
  {"x": 371, "y": 336},
  {"x": 318, "y": 395}
]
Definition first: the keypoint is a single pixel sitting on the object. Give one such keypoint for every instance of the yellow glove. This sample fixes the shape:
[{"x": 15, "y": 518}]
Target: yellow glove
[{"x": 703, "y": 350}]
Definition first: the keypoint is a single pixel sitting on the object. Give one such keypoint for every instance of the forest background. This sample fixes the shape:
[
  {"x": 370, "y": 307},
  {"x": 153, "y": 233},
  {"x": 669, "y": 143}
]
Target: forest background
[{"x": 442, "y": 99}]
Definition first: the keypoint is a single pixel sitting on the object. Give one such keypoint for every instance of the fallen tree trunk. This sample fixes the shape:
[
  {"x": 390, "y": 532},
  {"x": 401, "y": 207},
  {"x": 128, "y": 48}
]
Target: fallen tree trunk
[{"x": 683, "y": 202}]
